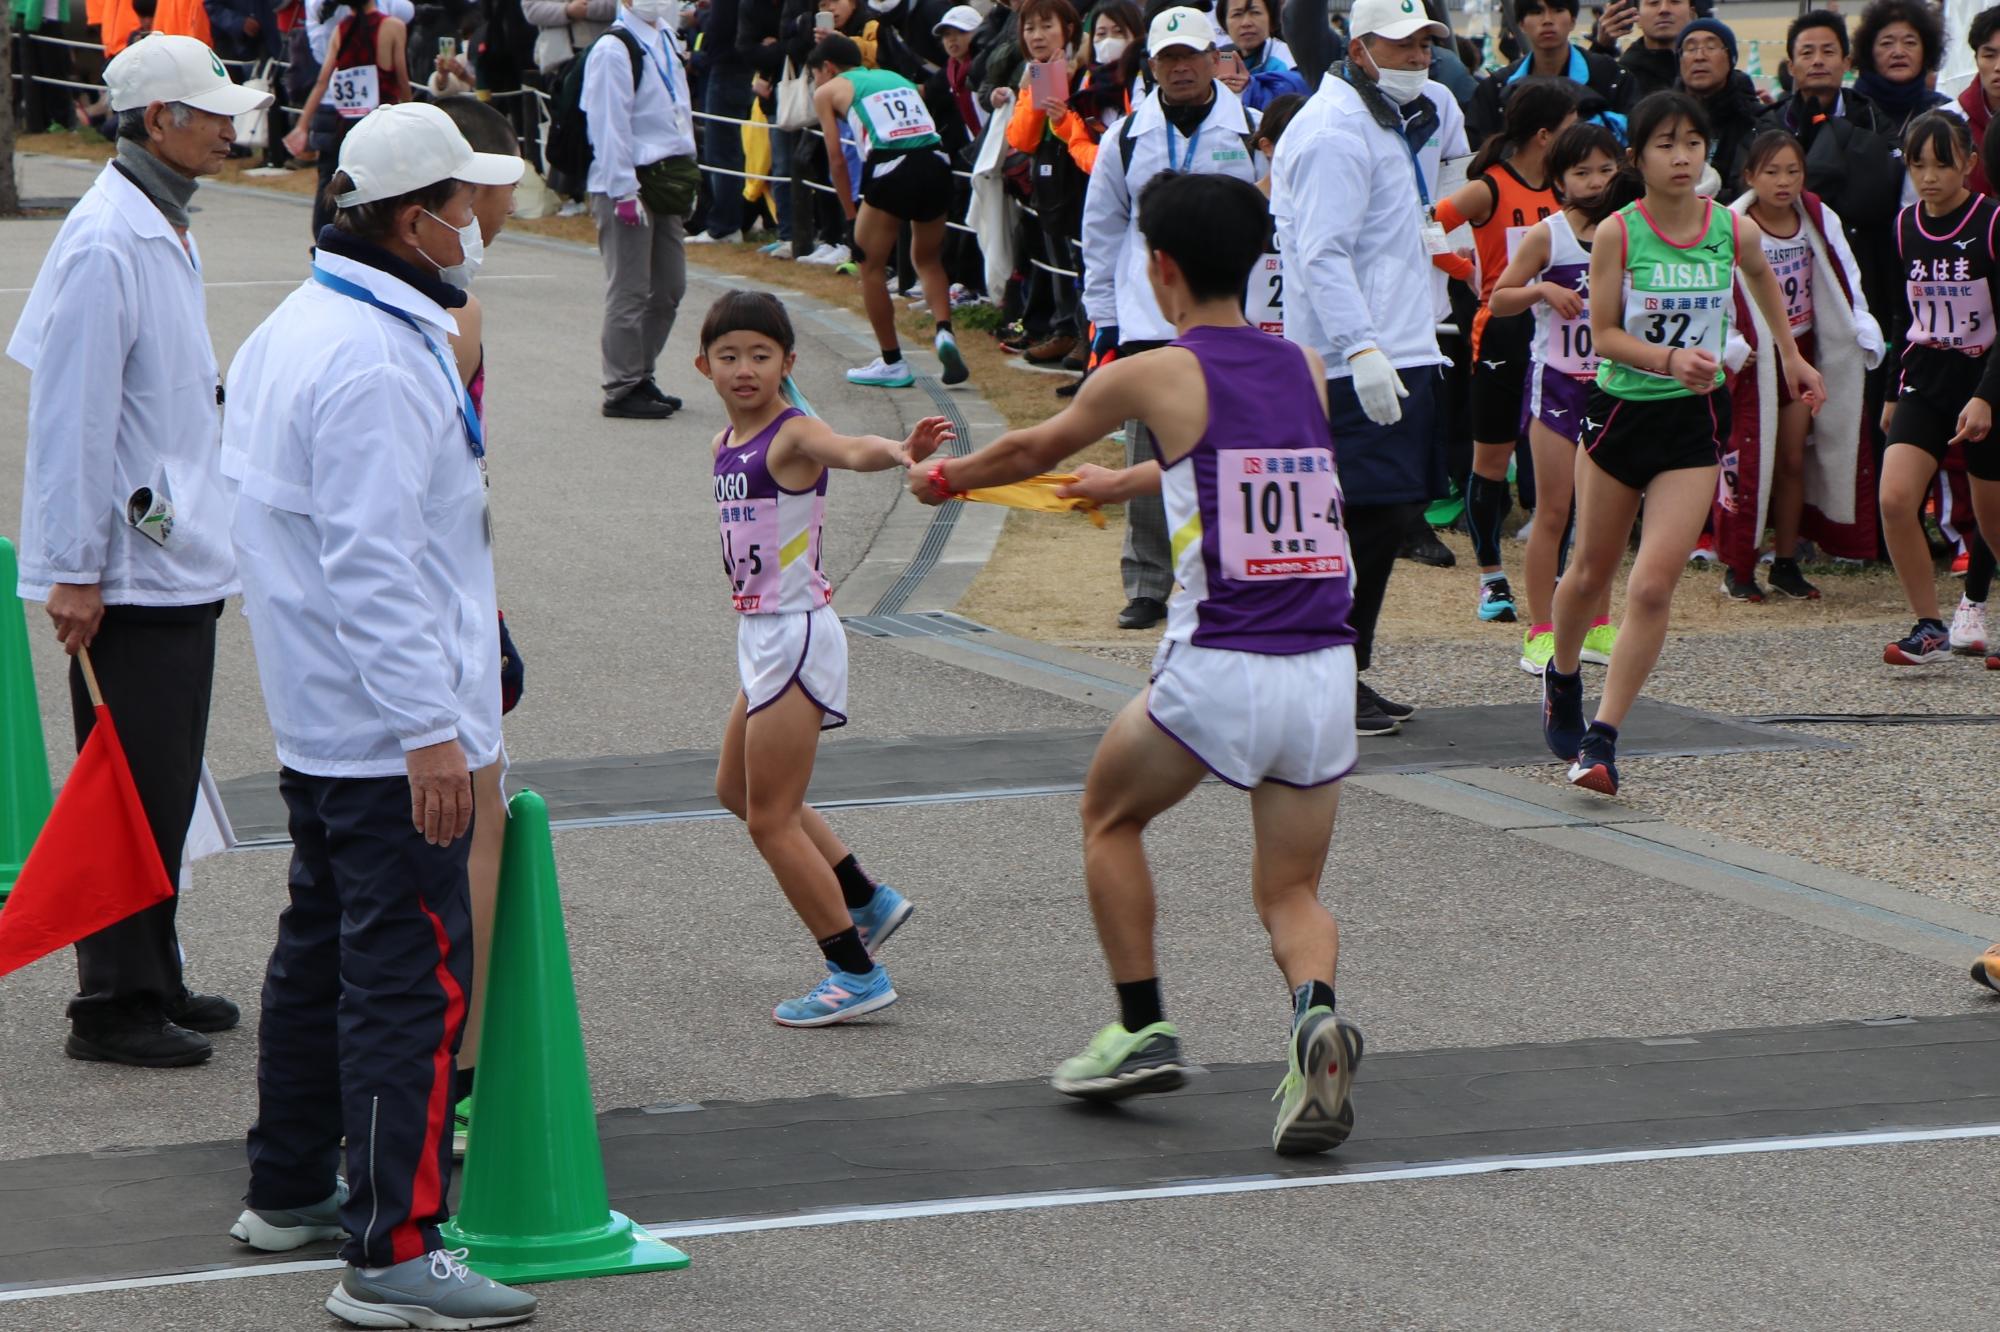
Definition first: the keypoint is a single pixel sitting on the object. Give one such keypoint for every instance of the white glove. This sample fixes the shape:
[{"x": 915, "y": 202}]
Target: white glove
[
  {"x": 1736, "y": 353},
  {"x": 1377, "y": 386}
]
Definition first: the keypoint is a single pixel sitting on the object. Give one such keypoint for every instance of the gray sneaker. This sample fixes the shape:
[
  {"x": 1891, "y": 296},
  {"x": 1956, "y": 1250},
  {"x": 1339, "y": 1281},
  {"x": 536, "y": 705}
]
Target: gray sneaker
[
  {"x": 435, "y": 1290},
  {"x": 281, "y": 1232}
]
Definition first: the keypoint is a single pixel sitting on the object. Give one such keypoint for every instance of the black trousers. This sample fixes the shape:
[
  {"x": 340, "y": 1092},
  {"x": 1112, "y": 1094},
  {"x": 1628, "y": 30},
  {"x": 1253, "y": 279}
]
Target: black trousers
[
  {"x": 364, "y": 1003},
  {"x": 1374, "y": 534},
  {"x": 155, "y": 666}
]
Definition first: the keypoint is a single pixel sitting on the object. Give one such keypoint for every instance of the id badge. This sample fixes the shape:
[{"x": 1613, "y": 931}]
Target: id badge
[{"x": 1434, "y": 241}]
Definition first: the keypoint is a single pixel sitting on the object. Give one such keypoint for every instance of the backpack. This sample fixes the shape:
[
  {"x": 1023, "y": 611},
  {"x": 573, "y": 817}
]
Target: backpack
[{"x": 567, "y": 151}]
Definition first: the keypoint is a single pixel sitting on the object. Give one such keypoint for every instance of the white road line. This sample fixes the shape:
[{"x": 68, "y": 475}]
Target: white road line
[{"x": 1028, "y": 1202}]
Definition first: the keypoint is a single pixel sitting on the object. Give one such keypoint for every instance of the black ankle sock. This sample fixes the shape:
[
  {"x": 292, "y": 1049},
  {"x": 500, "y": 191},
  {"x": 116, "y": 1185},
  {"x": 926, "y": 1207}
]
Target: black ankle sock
[
  {"x": 1486, "y": 506},
  {"x": 844, "y": 950},
  {"x": 1313, "y": 994},
  {"x": 856, "y": 888},
  {"x": 944, "y": 326},
  {"x": 1978, "y": 571},
  {"x": 892, "y": 355},
  {"x": 1139, "y": 1003},
  {"x": 461, "y": 1084},
  {"x": 1608, "y": 731}
]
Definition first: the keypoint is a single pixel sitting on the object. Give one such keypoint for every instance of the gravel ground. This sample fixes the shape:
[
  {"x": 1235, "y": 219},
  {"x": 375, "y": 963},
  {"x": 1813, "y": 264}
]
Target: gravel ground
[{"x": 1916, "y": 803}]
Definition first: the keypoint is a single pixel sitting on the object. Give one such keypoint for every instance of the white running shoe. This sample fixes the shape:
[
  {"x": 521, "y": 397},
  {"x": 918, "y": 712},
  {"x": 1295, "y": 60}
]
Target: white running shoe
[
  {"x": 823, "y": 255},
  {"x": 878, "y": 373},
  {"x": 703, "y": 238},
  {"x": 1968, "y": 628},
  {"x": 841, "y": 254},
  {"x": 573, "y": 208}
]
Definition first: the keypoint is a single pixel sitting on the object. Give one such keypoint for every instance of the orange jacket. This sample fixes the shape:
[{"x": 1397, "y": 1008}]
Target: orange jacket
[
  {"x": 1027, "y": 126},
  {"x": 117, "y": 21}
]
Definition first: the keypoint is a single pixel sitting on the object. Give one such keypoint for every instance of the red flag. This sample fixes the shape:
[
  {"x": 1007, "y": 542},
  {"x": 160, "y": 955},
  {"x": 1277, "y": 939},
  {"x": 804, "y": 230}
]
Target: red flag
[{"x": 94, "y": 864}]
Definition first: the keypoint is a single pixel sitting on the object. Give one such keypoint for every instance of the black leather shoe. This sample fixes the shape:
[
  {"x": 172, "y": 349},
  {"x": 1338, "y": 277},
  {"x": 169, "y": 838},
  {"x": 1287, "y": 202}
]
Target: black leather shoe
[
  {"x": 1425, "y": 548},
  {"x": 204, "y": 1012},
  {"x": 652, "y": 390},
  {"x": 638, "y": 405},
  {"x": 1142, "y": 613},
  {"x": 156, "y": 1045}
]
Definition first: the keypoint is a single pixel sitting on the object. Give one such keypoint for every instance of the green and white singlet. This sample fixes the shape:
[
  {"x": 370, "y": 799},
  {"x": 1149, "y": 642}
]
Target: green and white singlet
[{"x": 1675, "y": 296}]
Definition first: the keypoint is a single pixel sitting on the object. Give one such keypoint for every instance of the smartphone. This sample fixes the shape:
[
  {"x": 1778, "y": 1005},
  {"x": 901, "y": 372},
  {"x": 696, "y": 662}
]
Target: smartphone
[
  {"x": 823, "y": 20},
  {"x": 1229, "y": 63},
  {"x": 447, "y": 48}
]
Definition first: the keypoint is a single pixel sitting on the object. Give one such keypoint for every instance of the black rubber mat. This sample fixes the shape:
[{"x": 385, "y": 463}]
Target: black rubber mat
[
  {"x": 681, "y": 783},
  {"x": 148, "y": 1211}
]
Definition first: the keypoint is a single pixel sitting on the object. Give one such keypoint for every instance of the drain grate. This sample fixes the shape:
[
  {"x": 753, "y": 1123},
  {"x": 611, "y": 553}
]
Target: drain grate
[
  {"x": 914, "y": 624},
  {"x": 931, "y": 549}
]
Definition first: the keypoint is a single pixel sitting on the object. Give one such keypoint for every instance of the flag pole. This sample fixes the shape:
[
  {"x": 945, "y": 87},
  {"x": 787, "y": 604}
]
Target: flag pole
[{"x": 89, "y": 678}]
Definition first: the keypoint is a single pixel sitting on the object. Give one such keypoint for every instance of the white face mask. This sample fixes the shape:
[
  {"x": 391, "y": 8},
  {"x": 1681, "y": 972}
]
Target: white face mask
[
  {"x": 884, "y": 6},
  {"x": 1110, "y": 49},
  {"x": 653, "y": 11},
  {"x": 1401, "y": 86},
  {"x": 473, "y": 246}
]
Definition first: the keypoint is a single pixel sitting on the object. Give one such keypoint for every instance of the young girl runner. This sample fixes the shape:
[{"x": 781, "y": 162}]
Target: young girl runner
[
  {"x": 1548, "y": 273},
  {"x": 791, "y": 653},
  {"x": 1768, "y": 471},
  {"x": 1948, "y": 379},
  {"x": 1507, "y": 191},
  {"x": 1662, "y": 270}
]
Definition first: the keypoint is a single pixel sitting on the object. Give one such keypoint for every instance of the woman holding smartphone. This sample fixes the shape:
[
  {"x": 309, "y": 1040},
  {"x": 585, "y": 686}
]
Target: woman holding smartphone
[{"x": 1259, "y": 67}]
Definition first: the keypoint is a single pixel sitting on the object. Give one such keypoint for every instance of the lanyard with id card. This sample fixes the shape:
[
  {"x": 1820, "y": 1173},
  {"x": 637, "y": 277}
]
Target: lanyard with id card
[
  {"x": 1434, "y": 241},
  {"x": 468, "y": 411}
]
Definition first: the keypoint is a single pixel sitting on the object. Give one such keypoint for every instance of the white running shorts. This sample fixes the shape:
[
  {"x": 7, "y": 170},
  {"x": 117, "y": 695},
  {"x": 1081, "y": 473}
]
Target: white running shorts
[
  {"x": 1251, "y": 717},
  {"x": 809, "y": 647}
]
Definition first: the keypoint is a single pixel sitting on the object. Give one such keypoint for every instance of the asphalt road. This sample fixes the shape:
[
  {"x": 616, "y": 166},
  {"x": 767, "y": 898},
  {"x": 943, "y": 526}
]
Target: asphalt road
[{"x": 1456, "y": 935}]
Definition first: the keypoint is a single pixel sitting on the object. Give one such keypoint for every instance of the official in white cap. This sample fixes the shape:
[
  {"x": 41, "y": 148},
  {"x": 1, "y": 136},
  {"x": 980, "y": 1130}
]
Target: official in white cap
[
  {"x": 368, "y": 579},
  {"x": 124, "y": 535},
  {"x": 1351, "y": 187},
  {"x": 1190, "y": 122}
]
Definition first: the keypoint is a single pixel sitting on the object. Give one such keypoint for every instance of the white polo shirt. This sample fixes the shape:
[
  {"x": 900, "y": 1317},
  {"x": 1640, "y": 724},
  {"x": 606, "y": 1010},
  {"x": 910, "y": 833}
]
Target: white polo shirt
[
  {"x": 361, "y": 529},
  {"x": 123, "y": 396}
]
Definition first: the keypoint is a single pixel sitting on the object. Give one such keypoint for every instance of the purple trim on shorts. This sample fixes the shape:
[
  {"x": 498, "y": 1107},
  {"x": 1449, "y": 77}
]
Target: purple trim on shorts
[
  {"x": 1168, "y": 731},
  {"x": 1314, "y": 786},
  {"x": 797, "y": 672}
]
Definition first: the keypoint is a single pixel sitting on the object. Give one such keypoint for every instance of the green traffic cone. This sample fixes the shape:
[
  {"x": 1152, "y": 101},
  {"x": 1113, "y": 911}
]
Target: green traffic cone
[
  {"x": 24, "y": 758},
  {"x": 534, "y": 1206}
]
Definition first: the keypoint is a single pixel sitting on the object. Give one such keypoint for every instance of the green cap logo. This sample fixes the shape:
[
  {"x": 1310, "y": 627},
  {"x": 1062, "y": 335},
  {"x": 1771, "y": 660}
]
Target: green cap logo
[
  {"x": 221, "y": 73},
  {"x": 1409, "y": 6},
  {"x": 1174, "y": 23}
]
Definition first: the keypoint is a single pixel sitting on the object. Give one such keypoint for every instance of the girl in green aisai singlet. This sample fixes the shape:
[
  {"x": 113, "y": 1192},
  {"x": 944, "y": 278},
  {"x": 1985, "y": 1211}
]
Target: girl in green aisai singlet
[{"x": 1661, "y": 275}]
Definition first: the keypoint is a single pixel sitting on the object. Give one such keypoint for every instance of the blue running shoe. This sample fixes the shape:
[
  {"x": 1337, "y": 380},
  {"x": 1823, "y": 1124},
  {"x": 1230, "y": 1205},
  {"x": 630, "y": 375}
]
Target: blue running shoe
[
  {"x": 1596, "y": 765},
  {"x": 1496, "y": 601},
  {"x": 1562, "y": 712},
  {"x": 841, "y": 996},
  {"x": 882, "y": 917}
]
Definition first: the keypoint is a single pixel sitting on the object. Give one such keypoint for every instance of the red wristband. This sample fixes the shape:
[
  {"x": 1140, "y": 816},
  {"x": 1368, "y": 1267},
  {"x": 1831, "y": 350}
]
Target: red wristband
[{"x": 936, "y": 477}]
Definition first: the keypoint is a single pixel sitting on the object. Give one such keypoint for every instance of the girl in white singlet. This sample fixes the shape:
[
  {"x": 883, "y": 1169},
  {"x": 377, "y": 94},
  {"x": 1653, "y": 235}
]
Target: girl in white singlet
[
  {"x": 791, "y": 653},
  {"x": 1549, "y": 274}
]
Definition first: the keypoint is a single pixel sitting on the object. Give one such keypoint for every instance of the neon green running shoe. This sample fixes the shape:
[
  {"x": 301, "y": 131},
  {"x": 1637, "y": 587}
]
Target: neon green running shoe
[
  {"x": 1598, "y": 642},
  {"x": 1537, "y": 650},
  {"x": 461, "y": 1126},
  {"x": 1314, "y": 1113},
  {"x": 1119, "y": 1063}
]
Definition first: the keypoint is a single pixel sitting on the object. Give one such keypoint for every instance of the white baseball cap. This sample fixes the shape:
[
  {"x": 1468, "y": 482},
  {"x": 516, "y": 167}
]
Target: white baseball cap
[
  {"x": 1394, "y": 19},
  {"x": 964, "y": 18},
  {"x": 1180, "y": 28},
  {"x": 177, "y": 69},
  {"x": 394, "y": 150}
]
